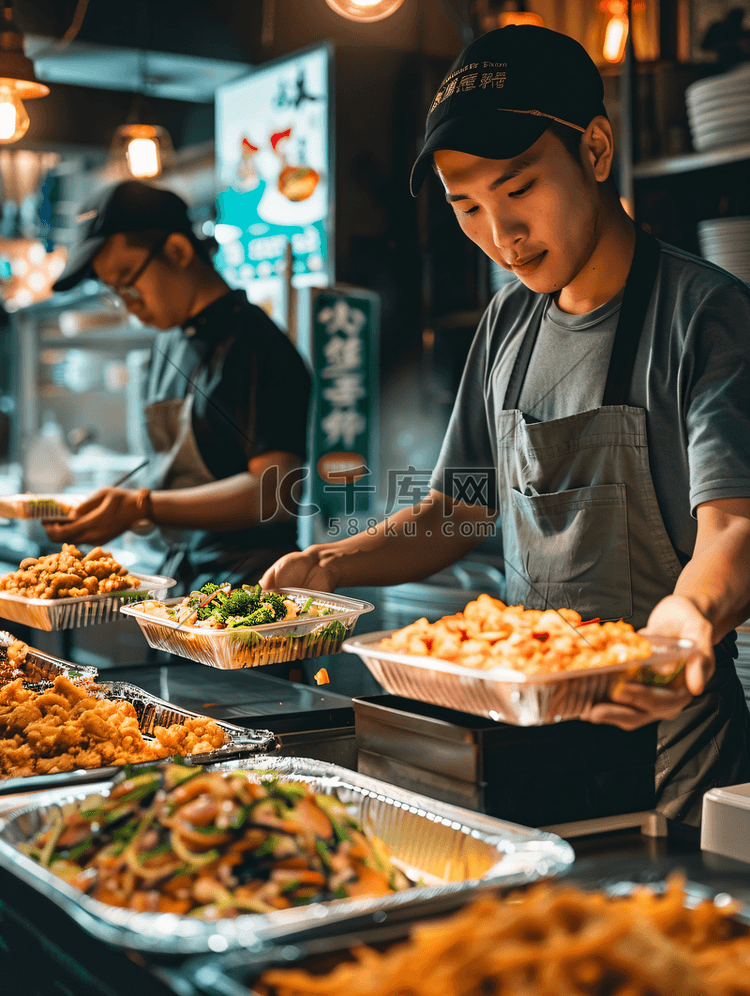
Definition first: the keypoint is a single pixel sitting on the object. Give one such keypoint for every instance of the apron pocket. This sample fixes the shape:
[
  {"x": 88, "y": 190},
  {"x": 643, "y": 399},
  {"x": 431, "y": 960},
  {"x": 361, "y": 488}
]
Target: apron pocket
[{"x": 570, "y": 549}]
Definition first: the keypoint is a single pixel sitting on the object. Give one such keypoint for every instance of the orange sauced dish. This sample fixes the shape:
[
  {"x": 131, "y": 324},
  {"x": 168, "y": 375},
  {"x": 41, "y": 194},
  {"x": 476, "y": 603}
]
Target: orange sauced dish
[
  {"x": 490, "y": 634},
  {"x": 177, "y": 839}
]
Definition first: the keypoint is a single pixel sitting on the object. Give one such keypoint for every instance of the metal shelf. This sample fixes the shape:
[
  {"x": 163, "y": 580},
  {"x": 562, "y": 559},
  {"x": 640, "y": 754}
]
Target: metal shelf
[{"x": 691, "y": 161}]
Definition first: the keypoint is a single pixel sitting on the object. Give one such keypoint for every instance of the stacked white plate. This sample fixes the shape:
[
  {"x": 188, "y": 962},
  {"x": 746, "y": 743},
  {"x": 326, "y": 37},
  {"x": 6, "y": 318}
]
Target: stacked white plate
[
  {"x": 719, "y": 109},
  {"x": 726, "y": 242}
]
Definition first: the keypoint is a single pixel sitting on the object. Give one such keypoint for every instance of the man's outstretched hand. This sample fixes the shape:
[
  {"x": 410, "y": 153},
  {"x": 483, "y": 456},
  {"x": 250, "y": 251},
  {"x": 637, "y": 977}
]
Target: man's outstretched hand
[{"x": 634, "y": 705}]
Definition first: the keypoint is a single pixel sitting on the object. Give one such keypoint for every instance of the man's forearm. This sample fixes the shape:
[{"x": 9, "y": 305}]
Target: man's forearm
[
  {"x": 408, "y": 546},
  {"x": 717, "y": 579},
  {"x": 233, "y": 503}
]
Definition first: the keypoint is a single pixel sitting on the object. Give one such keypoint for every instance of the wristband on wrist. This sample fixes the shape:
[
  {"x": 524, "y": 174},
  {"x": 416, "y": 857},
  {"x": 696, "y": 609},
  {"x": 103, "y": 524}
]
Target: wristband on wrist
[{"x": 143, "y": 504}]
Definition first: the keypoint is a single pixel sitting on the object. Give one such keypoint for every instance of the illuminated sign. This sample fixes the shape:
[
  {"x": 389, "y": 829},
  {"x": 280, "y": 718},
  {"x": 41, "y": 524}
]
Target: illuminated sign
[{"x": 274, "y": 150}]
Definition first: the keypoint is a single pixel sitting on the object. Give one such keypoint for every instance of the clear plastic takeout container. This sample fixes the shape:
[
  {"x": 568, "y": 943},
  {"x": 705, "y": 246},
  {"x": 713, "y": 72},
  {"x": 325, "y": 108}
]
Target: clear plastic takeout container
[
  {"x": 290, "y": 640},
  {"x": 510, "y": 696},
  {"x": 69, "y": 613},
  {"x": 151, "y": 712},
  {"x": 454, "y": 851}
]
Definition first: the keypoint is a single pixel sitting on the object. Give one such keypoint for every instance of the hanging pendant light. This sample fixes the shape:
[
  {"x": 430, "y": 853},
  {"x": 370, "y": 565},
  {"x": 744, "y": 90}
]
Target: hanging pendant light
[
  {"x": 17, "y": 80},
  {"x": 364, "y": 10},
  {"x": 141, "y": 148},
  {"x": 608, "y": 35}
]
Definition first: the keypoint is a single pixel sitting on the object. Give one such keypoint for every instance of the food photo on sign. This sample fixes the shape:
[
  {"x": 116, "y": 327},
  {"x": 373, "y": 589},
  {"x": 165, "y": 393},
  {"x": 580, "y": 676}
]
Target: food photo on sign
[{"x": 274, "y": 166}]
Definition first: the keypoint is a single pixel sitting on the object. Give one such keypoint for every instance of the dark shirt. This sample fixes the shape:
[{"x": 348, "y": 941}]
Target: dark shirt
[
  {"x": 252, "y": 388},
  {"x": 251, "y": 395}
]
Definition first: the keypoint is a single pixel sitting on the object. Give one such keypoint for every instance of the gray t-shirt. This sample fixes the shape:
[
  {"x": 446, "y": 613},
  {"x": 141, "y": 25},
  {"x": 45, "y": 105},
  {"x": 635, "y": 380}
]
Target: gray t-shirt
[
  {"x": 691, "y": 376},
  {"x": 569, "y": 353}
]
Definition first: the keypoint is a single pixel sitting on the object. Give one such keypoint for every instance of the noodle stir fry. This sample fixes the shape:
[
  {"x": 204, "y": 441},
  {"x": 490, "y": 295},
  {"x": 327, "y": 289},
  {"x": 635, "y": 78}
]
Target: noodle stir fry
[
  {"x": 180, "y": 840},
  {"x": 549, "y": 941}
]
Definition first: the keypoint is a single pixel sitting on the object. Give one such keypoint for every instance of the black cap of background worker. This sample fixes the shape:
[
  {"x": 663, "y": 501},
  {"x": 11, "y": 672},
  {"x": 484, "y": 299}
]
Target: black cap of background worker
[
  {"x": 131, "y": 206},
  {"x": 505, "y": 90}
]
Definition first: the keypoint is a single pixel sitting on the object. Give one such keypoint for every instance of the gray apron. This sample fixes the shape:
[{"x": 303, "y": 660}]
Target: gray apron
[
  {"x": 581, "y": 528},
  {"x": 196, "y": 556}
]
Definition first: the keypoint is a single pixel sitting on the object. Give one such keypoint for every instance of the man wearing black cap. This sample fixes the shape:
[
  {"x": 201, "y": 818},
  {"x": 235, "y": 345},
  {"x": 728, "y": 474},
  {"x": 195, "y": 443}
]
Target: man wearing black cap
[
  {"x": 605, "y": 395},
  {"x": 227, "y": 396}
]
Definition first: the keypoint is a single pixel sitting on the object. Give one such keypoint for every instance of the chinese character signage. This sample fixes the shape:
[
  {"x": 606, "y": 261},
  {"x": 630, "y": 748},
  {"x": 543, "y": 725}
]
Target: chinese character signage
[
  {"x": 344, "y": 349},
  {"x": 274, "y": 159}
]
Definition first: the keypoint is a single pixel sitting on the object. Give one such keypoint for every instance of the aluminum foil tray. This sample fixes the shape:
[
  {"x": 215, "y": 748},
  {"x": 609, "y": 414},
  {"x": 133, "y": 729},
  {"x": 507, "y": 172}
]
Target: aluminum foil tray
[
  {"x": 39, "y": 670},
  {"x": 151, "y": 712},
  {"x": 70, "y": 613},
  {"x": 235, "y": 973},
  {"x": 272, "y": 643},
  {"x": 461, "y": 852},
  {"x": 506, "y": 695}
]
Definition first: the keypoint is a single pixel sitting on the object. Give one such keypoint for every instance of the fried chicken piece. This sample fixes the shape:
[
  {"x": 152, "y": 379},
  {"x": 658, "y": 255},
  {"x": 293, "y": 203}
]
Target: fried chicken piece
[
  {"x": 68, "y": 574},
  {"x": 67, "y": 727},
  {"x": 20, "y": 718},
  {"x": 51, "y": 765},
  {"x": 17, "y": 652}
]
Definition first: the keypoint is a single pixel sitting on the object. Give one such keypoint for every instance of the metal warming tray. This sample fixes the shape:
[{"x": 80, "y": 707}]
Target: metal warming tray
[
  {"x": 236, "y": 973},
  {"x": 290, "y": 640},
  {"x": 505, "y": 694},
  {"x": 151, "y": 712},
  {"x": 462, "y": 852},
  {"x": 39, "y": 670},
  {"x": 69, "y": 613}
]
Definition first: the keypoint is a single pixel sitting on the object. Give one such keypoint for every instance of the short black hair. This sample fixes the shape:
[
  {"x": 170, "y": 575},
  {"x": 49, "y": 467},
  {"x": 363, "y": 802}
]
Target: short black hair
[
  {"x": 570, "y": 139},
  {"x": 204, "y": 248}
]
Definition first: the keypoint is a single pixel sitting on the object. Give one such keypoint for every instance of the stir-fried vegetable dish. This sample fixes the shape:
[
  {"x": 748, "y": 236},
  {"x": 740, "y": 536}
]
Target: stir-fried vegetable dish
[{"x": 178, "y": 839}]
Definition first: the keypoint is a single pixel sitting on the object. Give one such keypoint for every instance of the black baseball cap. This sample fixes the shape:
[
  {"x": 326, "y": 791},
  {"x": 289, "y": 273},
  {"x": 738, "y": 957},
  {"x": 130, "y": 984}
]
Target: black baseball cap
[
  {"x": 131, "y": 206},
  {"x": 505, "y": 90}
]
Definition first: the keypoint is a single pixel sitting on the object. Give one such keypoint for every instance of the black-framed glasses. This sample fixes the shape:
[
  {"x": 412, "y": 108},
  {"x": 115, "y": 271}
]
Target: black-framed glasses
[{"x": 128, "y": 291}]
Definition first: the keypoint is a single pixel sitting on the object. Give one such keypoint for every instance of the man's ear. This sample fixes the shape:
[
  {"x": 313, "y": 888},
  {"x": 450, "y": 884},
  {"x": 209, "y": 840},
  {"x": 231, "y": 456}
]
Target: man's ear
[
  {"x": 598, "y": 147},
  {"x": 179, "y": 250}
]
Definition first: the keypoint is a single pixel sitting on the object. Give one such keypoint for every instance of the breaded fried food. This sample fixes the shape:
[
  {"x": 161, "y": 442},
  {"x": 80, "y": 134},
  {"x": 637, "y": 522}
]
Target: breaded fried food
[
  {"x": 68, "y": 574},
  {"x": 15, "y": 654},
  {"x": 67, "y": 727}
]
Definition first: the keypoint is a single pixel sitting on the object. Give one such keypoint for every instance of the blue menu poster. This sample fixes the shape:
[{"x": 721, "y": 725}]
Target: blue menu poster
[{"x": 275, "y": 170}]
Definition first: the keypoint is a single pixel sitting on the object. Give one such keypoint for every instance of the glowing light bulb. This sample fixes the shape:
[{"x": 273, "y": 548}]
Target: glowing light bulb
[
  {"x": 364, "y": 10},
  {"x": 14, "y": 121},
  {"x": 520, "y": 17},
  {"x": 143, "y": 149},
  {"x": 615, "y": 38},
  {"x": 143, "y": 157}
]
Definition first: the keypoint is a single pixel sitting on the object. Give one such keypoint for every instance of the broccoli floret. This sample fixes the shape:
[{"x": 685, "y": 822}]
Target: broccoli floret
[
  {"x": 209, "y": 587},
  {"x": 276, "y": 602},
  {"x": 259, "y": 617},
  {"x": 239, "y": 603}
]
